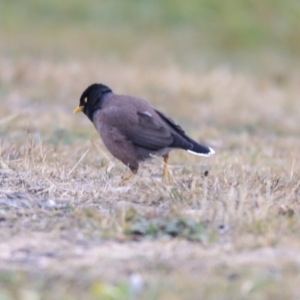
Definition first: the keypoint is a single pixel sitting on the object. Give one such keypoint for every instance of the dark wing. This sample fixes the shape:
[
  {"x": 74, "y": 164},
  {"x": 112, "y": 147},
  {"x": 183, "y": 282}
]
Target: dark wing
[
  {"x": 143, "y": 129},
  {"x": 149, "y": 133},
  {"x": 171, "y": 122},
  {"x": 147, "y": 128},
  {"x": 181, "y": 140}
]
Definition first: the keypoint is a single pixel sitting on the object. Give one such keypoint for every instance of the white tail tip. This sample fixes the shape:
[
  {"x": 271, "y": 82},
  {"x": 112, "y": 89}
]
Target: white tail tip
[{"x": 210, "y": 153}]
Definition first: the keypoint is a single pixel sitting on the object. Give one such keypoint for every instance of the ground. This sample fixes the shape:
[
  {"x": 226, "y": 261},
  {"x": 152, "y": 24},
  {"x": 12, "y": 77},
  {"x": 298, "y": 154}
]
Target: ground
[{"x": 224, "y": 227}]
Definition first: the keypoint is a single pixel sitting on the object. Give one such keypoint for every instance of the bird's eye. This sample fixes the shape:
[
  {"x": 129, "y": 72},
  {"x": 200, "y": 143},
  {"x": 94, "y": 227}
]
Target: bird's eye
[{"x": 85, "y": 100}]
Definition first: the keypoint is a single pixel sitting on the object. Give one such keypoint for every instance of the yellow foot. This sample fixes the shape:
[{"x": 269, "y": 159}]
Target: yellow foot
[
  {"x": 166, "y": 173},
  {"x": 125, "y": 178}
]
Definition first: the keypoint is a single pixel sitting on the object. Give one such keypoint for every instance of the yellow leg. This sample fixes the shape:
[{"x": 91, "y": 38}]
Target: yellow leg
[
  {"x": 125, "y": 178},
  {"x": 165, "y": 169}
]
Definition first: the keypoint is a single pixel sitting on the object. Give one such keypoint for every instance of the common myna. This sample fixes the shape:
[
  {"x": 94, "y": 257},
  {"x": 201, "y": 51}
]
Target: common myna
[{"x": 133, "y": 130}]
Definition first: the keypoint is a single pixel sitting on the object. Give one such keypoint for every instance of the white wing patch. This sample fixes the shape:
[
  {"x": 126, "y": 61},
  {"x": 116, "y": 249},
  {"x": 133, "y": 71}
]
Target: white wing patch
[{"x": 147, "y": 113}]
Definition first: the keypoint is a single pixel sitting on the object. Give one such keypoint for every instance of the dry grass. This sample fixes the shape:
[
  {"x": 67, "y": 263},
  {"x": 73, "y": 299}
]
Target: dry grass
[{"x": 68, "y": 230}]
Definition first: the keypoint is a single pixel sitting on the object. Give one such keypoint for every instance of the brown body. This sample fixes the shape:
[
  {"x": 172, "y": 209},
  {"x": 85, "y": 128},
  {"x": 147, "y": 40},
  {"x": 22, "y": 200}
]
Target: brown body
[{"x": 141, "y": 120}]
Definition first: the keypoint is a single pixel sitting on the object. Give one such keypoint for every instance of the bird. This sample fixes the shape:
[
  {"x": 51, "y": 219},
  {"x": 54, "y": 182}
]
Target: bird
[{"x": 133, "y": 130}]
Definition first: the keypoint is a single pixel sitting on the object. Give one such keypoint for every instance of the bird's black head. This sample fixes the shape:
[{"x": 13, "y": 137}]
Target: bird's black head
[{"x": 91, "y": 99}]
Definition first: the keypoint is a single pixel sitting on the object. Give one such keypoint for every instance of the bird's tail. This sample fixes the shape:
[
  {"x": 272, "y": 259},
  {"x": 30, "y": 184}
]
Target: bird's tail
[
  {"x": 200, "y": 149},
  {"x": 191, "y": 146}
]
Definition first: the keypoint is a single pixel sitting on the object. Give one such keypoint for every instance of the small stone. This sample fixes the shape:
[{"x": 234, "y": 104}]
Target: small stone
[{"x": 136, "y": 283}]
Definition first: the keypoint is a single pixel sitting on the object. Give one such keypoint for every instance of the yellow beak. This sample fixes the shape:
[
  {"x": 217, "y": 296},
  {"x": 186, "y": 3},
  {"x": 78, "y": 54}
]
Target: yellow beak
[{"x": 78, "y": 109}]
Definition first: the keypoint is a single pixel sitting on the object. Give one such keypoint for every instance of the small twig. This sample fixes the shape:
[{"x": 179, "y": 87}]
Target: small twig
[
  {"x": 51, "y": 183},
  {"x": 81, "y": 158},
  {"x": 292, "y": 169},
  {"x": 8, "y": 119}
]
